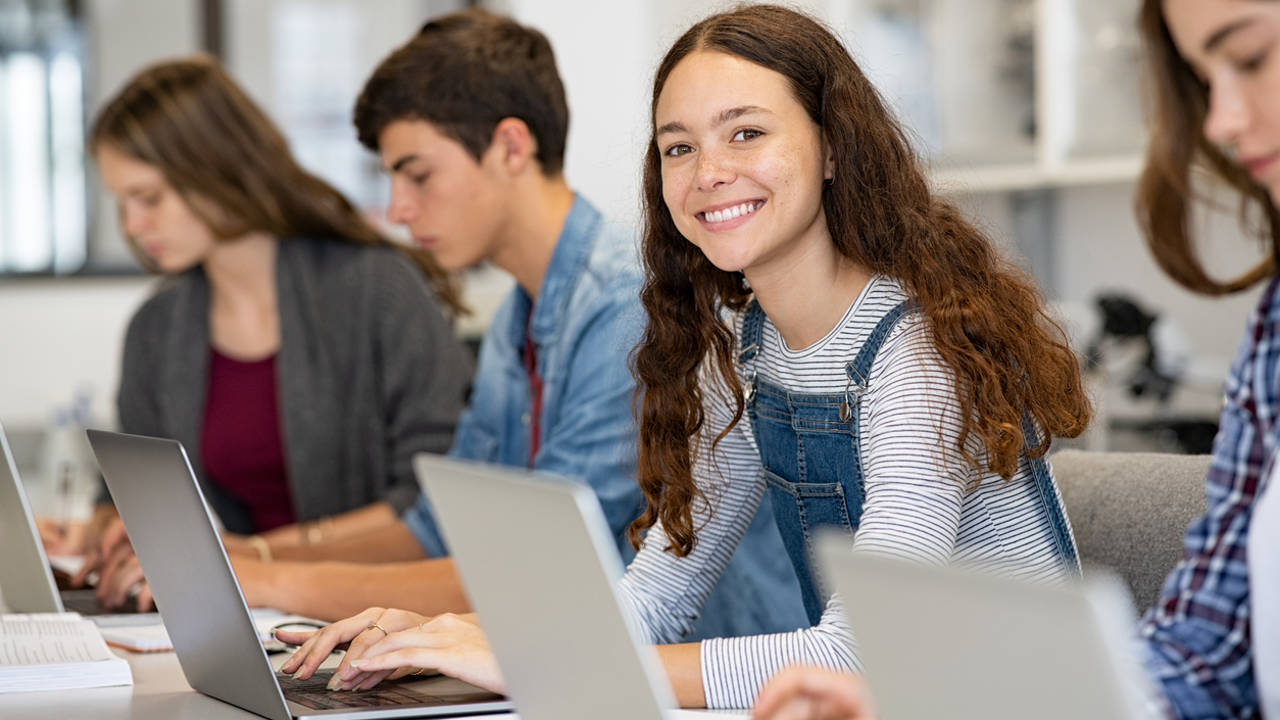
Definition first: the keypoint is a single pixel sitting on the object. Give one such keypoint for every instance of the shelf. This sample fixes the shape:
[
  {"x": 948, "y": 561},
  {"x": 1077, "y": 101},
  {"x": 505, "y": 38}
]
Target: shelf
[{"x": 1032, "y": 176}]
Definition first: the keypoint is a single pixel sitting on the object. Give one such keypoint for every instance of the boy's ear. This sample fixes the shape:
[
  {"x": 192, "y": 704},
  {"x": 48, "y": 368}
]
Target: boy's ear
[{"x": 514, "y": 145}]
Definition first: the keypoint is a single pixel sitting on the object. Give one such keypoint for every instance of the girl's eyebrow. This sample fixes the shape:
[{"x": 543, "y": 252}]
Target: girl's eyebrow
[
  {"x": 736, "y": 112},
  {"x": 1222, "y": 33},
  {"x": 721, "y": 118}
]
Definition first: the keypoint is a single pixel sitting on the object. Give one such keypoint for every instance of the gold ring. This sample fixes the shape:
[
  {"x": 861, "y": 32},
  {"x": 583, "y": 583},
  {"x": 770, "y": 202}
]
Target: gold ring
[
  {"x": 373, "y": 625},
  {"x": 419, "y": 671}
]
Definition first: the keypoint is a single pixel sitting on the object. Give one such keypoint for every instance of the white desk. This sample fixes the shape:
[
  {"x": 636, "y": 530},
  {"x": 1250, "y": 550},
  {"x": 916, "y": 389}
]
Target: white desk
[{"x": 160, "y": 692}]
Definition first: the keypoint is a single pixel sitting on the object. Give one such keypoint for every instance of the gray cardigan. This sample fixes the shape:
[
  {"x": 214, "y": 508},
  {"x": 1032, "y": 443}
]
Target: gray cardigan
[{"x": 368, "y": 373}]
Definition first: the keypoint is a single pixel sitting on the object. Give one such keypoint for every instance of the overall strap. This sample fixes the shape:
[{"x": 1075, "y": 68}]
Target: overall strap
[
  {"x": 752, "y": 333},
  {"x": 749, "y": 348},
  {"x": 860, "y": 367},
  {"x": 1050, "y": 500}
]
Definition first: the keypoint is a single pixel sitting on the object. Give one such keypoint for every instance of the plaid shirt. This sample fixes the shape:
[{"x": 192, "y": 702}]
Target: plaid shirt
[{"x": 1196, "y": 638}]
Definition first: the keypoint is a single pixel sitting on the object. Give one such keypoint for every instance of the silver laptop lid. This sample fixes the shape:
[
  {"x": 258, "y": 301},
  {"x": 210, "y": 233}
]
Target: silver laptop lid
[
  {"x": 25, "y": 581},
  {"x": 956, "y": 643},
  {"x": 540, "y": 567},
  {"x": 173, "y": 534}
]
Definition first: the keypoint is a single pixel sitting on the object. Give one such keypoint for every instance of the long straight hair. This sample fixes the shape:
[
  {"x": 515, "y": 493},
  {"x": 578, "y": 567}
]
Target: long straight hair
[
  {"x": 1165, "y": 191},
  {"x": 986, "y": 316},
  {"x": 231, "y": 164}
]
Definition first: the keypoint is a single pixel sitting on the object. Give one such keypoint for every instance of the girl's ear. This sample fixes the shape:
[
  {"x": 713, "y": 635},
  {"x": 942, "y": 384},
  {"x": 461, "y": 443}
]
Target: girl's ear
[{"x": 829, "y": 165}]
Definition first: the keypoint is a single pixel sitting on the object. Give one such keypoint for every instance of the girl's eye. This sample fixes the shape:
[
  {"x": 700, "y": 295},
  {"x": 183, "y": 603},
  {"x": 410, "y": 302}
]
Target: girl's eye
[
  {"x": 746, "y": 134},
  {"x": 678, "y": 150},
  {"x": 419, "y": 179},
  {"x": 150, "y": 200},
  {"x": 1254, "y": 63}
]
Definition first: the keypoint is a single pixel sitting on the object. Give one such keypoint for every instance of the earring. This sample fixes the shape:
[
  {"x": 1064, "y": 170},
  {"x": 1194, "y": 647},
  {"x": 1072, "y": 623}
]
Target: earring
[{"x": 742, "y": 278}]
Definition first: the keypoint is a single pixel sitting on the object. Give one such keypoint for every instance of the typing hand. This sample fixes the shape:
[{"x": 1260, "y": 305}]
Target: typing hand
[
  {"x": 111, "y": 541},
  {"x": 122, "y": 581},
  {"x": 352, "y": 634},
  {"x": 454, "y": 645},
  {"x": 63, "y": 538},
  {"x": 809, "y": 693},
  {"x": 119, "y": 573}
]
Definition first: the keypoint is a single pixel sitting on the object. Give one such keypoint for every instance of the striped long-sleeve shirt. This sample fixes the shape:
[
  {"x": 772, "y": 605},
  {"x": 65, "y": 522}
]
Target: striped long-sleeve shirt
[
  {"x": 916, "y": 503},
  {"x": 1196, "y": 642}
]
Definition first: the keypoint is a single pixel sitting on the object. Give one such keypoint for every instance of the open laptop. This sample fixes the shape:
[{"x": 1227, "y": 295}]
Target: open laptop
[
  {"x": 173, "y": 533},
  {"x": 956, "y": 643},
  {"x": 540, "y": 567},
  {"x": 25, "y": 580}
]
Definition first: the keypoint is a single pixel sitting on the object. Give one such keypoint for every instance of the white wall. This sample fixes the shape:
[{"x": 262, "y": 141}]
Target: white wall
[{"x": 61, "y": 336}]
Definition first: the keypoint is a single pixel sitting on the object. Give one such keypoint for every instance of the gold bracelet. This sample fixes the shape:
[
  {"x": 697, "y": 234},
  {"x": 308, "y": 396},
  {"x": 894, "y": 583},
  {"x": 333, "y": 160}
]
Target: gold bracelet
[{"x": 259, "y": 543}]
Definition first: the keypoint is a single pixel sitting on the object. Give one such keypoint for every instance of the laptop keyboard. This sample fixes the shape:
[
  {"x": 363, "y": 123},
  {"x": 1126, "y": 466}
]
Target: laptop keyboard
[
  {"x": 311, "y": 693},
  {"x": 84, "y": 602}
]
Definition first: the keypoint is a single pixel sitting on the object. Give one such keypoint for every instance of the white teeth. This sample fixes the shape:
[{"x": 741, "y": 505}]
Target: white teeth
[{"x": 717, "y": 216}]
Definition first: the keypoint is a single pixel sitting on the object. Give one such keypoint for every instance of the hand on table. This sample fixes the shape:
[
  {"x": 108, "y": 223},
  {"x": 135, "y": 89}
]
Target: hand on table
[
  {"x": 809, "y": 693},
  {"x": 411, "y": 644}
]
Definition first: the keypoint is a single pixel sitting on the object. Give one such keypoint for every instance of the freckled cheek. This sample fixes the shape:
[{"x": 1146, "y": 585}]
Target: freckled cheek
[{"x": 674, "y": 195}]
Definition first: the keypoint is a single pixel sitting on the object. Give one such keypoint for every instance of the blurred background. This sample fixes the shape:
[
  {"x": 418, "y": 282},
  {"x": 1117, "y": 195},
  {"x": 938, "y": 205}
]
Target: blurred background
[{"x": 1030, "y": 113}]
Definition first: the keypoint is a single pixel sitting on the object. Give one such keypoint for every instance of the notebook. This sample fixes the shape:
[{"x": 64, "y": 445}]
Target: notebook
[
  {"x": 154, "y": 637},
  {"x": 56, "y": 652}
]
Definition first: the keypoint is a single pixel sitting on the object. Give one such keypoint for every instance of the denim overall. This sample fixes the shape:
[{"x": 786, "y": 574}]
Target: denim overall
[{"x": 809, "y": 448}]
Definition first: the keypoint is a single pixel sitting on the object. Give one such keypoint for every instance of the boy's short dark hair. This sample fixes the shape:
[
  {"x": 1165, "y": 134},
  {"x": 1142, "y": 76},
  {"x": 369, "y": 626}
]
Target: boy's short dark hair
[{"x": 464, "y": 73}]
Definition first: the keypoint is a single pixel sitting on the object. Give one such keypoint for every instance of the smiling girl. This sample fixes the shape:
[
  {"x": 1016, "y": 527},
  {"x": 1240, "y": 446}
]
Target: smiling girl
[{"x": 824, "y": 330}]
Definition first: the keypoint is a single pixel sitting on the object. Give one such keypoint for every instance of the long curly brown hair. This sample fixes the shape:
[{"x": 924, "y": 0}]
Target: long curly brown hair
[
  {"x": 986, "y": 316},
  {"x": 1166, "y": 193}
]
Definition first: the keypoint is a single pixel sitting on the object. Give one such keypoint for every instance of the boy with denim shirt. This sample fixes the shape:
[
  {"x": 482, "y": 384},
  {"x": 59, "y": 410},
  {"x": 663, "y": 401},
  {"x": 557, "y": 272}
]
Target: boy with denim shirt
[{"x": 470, "y": 120}]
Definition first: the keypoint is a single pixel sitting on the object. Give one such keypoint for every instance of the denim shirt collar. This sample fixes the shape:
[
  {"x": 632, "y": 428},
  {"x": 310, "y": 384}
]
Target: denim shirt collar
[{"x": 573, "y": 248}]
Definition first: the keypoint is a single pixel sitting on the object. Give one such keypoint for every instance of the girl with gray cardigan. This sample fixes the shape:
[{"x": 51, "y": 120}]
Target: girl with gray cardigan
[{"x": 300, "y": 357}]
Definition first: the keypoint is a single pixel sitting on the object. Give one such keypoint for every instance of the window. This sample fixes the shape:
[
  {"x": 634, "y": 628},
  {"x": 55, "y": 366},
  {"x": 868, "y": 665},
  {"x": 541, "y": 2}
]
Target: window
[{"x": 42, "y": 124}]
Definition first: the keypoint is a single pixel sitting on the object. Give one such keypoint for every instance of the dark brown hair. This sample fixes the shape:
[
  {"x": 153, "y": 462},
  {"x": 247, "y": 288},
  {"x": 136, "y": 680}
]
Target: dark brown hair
[
  {"x": 464, "y": 73},
  {"x": 1165, "y": 192},
  {"x": 986, "y": 317},
  {"x": 231, "y": 164}
]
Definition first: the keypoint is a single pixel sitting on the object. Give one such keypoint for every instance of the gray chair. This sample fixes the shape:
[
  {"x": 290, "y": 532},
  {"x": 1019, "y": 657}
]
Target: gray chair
[{"x": 1130, "y": 510}]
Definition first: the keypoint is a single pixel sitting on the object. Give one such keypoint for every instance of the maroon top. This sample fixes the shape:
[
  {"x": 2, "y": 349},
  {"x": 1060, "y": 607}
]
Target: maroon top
[
  {"x": 240, "y": 440},
  {"x": 535, "y": 392}
]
